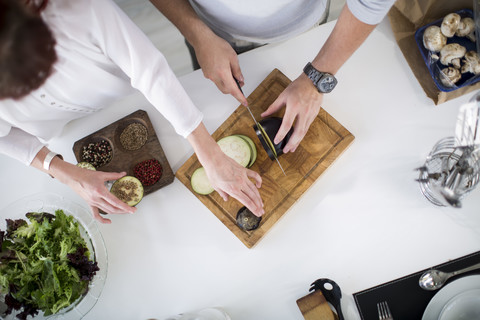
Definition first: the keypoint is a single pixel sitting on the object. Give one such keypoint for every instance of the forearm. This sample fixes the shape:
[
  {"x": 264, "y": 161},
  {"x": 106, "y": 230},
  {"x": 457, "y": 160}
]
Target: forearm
[
  {"x": 347, "y": 36},
  {"x": 204, "y": 146},
  {"x": 59, "y": 169},
  {"x": 182, "y": 15}
]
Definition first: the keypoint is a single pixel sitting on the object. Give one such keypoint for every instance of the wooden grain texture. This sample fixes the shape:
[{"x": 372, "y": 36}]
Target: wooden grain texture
[
  {"x": 125, "y": 160},
  {"x": 324, "y": 142},
  {"x": 314, "y": 306}
]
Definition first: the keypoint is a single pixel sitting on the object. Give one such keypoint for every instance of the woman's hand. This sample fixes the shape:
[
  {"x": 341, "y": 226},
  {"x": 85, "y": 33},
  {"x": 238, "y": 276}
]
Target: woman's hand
[
  {"x": 226, "y": 176},
  {"x": 302, "y": 102},
  {"x": 90, "y": 185}
]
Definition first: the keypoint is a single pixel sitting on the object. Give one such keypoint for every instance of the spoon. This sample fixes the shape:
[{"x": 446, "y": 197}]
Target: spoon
[{"x": 435, "y": 279}]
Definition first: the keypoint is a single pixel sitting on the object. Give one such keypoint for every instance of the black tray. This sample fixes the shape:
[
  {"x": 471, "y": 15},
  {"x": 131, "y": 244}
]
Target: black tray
[{"x": 406, "y": 300}]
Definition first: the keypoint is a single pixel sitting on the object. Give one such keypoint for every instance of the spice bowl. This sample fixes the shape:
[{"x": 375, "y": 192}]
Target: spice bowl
[{"x": 129, "y": 151}]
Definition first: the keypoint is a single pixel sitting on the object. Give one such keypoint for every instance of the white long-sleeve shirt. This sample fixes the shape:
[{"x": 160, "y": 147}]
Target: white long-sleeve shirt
[
  {"x": 267, "y": 21},
  {"x": 102, "y": 56}
]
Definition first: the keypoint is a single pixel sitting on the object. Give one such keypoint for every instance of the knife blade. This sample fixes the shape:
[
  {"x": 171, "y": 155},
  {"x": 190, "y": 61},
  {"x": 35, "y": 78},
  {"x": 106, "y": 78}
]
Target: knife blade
[{"x": 266, "y": 138}]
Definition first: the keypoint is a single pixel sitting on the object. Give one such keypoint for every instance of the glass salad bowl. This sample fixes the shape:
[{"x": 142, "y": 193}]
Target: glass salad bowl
[{"x": 49, "y": 202}]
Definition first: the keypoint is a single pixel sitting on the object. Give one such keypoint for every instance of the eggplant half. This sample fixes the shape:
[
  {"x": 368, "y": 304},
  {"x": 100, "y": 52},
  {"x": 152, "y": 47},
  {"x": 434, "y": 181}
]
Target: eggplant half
[
  {"x": 266, "y": 134},
  {"x": 247, "y": 220}
]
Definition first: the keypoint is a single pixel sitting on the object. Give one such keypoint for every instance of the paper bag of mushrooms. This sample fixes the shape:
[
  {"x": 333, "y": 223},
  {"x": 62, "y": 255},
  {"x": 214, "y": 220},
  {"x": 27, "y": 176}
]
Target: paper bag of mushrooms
[{"x": 454, "y": 57}]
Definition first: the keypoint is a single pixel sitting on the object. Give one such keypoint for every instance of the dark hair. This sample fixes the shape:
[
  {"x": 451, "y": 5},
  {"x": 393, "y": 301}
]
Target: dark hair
[{"x": 27, "y": 48}]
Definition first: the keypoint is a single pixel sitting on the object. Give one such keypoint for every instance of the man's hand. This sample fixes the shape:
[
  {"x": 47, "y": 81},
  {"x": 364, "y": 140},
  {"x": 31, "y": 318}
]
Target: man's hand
[
  {"x": 302, "y": 101},
  {"x": 219, "y": 63}
]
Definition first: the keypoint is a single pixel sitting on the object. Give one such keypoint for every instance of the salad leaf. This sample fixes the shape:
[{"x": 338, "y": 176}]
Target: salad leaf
[{"x": 44, "y": 264}]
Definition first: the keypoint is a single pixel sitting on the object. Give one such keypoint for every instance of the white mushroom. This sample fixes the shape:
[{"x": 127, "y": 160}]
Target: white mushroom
[
  {"x": 433, "y": 39},
  {"x": 450, "y": 24},
  {"x": 466, "y": 26},
  {"x": 471, "y": 63},
  {"x": 451, "y": 54},
  {"x": 449, "y": 76}
]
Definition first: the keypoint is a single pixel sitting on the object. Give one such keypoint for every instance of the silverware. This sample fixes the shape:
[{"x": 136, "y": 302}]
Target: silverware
[
  {"x": 435, "y": 279},
  {"x": 384, "y": 311}
]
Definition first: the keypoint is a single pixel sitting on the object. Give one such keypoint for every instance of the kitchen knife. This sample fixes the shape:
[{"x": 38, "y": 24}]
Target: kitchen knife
[{"x": 262, "y": 131}]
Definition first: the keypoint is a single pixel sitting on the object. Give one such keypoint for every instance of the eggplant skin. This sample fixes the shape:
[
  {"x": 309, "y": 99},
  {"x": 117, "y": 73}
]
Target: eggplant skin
[
  {"x": 247, "y": 220},
  {"x": 271, "y": 126}
]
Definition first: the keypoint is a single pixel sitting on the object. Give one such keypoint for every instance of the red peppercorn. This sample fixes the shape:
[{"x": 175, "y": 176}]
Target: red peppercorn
[{"x": 148, "y": 171}]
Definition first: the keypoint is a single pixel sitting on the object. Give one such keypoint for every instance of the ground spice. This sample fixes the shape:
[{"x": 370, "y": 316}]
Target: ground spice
[
  {"x": 134, "y": 136},
  {"x": 125, "y": 190},
  {"x": 98, "y": 154},
  {"x": 148, "y": 171}
]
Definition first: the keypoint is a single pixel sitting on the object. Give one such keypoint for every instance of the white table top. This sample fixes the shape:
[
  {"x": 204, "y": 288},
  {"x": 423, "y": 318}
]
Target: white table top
[{"x": 362, "y": 223}]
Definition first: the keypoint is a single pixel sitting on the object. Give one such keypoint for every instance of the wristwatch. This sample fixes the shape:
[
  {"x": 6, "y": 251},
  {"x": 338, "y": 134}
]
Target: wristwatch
[{"x": 323, "y": 81}]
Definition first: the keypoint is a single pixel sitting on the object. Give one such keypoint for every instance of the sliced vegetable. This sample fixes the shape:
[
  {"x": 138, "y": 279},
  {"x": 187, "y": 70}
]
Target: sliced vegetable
[
  {"x": 253, "y": 149},
  {"x": 128, "y": 189},
  {"x": 86, "y": 165},
  {"x": 200, "y": 183},
  {"x": 267, "y": 140},
  {"x": 236, "y": 148}
]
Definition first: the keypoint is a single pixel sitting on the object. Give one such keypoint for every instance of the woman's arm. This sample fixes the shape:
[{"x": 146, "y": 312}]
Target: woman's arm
[
  {"x": 225, "y": 175},
  {"x": 90, "y": 185}
]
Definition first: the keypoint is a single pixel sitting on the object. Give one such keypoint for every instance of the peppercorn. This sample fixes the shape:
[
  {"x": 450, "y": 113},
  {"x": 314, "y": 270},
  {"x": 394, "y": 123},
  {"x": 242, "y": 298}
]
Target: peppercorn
[
  {"x": 98, "y": 154},
  {"x": 148, "y": 171}
]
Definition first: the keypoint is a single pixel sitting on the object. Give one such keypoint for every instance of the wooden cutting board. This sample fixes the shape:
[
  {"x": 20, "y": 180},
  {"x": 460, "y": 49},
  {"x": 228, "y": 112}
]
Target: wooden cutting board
[{"x": 325, "y": 141}]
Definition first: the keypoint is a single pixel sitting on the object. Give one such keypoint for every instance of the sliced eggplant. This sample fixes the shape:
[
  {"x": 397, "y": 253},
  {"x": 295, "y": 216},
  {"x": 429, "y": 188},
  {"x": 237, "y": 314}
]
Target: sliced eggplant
[
  {"x": 86, "y": 165},
  {"x": 253, "y": 149},
  {"x": 128, "y": 189},
  {"x": 236, "y": 148},
  {"x": 266, "y": 132},
  {"x": 200, "y": 183}
]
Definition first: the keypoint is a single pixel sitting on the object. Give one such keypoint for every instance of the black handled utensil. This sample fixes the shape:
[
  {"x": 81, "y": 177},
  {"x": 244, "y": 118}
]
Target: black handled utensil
[{"x": 332, "y": 293}]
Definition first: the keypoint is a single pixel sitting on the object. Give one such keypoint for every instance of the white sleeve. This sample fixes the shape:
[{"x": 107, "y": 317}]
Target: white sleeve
[
  {"x": 370, "y": 11},
  {"x": 127, "y": 46},
  {"x": 19, "y": 145}
]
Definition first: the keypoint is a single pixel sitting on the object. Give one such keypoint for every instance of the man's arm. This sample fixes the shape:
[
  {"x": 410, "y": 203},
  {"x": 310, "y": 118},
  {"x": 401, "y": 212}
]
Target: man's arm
[
  {"x": 219, "y": 62},
  {"x": 301, "y": 98}
]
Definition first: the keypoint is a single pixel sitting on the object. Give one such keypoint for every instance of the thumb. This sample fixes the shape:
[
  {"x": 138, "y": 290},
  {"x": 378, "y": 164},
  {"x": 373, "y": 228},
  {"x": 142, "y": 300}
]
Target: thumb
[{"x": 274, "y": 107}]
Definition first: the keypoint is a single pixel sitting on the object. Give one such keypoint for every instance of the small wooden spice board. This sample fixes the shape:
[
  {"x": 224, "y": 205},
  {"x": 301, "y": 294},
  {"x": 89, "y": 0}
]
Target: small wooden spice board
[
  {"x": 123, "y": 159},
  {"x": 324, "y": 142}
]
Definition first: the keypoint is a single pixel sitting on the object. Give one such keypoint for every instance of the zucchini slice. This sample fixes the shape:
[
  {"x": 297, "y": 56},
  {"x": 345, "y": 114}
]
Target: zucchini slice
[
  {"x": 200, "y": 183},
  {"x": 128, "y": 189},
  {"x": 236, "y": 148},
  {"x": 253, "y": 149}
]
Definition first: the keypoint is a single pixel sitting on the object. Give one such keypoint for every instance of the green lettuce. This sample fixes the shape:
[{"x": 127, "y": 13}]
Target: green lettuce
[{"x": 44, "y": 264}]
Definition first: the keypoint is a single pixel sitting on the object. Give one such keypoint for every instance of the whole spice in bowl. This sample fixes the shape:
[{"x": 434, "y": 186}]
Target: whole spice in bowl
[
  {"x": 98, "y": 153},
  {"x": 148, "y": 171},
  {"x": 134, "y": 136}
]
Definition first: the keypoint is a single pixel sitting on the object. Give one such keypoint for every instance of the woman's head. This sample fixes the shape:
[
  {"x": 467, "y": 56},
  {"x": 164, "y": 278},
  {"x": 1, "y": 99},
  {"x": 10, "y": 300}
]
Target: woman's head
[{"x": 27, "y": 48}]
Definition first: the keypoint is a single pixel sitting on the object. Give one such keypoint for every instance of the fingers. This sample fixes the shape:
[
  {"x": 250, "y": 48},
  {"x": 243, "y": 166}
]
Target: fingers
[
  {"x": 234, "y": 89},
  {"x": 97, "y": 216},
  {"x": 275, "y": 106},
  {"x": 254, "y": 175}
]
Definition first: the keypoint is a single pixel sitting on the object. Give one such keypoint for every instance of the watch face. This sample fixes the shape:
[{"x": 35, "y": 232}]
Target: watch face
[{"x": 327, "y": 83}]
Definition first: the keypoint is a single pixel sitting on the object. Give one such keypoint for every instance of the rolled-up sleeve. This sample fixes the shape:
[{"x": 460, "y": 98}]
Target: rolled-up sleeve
[
  {"x": 18, "y": 144},
  {"x": 370, "y": 11},
  {"x": 123, "y": 42}
]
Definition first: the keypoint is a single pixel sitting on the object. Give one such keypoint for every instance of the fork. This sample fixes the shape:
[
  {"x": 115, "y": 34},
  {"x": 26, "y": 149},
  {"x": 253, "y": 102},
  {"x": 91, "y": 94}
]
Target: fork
[{"x": 384, "y": 311}]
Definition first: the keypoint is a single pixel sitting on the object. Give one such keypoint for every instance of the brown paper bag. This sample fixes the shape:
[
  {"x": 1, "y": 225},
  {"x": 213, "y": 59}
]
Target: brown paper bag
[{"x": 406, "y": 16}]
